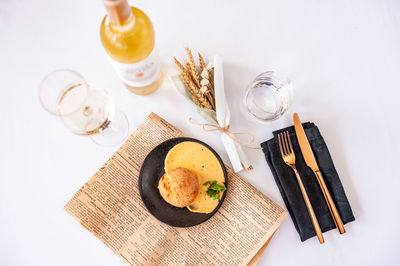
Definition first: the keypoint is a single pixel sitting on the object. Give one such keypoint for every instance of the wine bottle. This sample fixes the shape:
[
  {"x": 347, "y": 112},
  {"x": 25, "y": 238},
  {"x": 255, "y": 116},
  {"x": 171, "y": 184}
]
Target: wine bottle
[{"x": 127, "y": 35}]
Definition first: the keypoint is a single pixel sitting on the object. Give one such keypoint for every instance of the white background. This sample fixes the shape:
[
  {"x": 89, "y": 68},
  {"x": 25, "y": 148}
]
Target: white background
[{"x": 342, "y": 56}]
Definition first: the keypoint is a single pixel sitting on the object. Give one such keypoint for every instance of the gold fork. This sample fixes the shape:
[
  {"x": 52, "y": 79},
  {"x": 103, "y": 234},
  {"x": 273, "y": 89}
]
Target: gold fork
[{"x": 285, "y": 145}]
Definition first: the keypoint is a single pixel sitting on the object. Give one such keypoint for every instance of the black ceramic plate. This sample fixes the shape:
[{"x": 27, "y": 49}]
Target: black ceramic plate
[{"x": 150, "y": 173}]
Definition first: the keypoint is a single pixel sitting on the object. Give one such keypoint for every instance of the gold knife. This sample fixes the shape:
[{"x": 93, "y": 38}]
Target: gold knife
[{"x": 312, "y": 163}]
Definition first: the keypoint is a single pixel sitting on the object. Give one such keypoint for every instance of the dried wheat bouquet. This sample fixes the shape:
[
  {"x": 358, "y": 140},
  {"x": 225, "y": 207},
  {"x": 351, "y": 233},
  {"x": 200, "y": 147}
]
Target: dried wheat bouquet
[{"x": 203, "y": 86}]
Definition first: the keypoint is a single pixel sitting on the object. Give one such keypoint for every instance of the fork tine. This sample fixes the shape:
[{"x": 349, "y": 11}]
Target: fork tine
[
  {"x": 280, "y": 144},
  {"x": 290, "y": 142},
  {"x": 287, "y": 138},
  {"x": 286, "y": 143}
]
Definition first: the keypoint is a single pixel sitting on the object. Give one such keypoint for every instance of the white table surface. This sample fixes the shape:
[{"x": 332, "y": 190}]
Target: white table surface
[{"x": 342, "y": 56}]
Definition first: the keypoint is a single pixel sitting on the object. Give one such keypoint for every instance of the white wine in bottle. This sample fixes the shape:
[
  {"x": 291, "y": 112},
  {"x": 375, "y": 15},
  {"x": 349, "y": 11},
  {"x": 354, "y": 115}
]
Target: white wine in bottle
[{"x": 127, "y": 35}]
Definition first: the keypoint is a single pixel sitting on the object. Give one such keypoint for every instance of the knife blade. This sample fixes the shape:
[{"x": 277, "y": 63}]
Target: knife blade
[
  {"x": 304, "y": 144},
  {"x": 309, "y": 158}
]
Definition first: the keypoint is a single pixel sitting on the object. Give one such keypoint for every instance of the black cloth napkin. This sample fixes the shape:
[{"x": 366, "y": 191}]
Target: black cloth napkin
[{"x": 287, "y": 183}]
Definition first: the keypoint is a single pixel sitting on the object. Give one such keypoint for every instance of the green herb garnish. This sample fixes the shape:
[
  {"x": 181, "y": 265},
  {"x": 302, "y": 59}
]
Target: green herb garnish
[{"x": 214, "y": 189}]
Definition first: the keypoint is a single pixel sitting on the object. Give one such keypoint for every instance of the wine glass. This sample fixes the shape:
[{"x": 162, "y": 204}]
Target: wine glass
[{"x": 82, "y": 107}]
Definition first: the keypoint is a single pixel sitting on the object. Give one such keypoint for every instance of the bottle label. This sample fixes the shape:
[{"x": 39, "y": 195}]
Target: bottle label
[{"x": 141, "y": 73}]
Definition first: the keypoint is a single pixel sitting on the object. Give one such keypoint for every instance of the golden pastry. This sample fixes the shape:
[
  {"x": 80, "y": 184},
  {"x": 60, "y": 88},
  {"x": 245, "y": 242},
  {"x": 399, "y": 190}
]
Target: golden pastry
[{"x": 179, "y": 187}]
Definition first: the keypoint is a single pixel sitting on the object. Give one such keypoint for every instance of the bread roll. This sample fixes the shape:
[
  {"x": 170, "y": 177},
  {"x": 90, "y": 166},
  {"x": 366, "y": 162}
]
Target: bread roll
[{"x": 179, "y": 187}]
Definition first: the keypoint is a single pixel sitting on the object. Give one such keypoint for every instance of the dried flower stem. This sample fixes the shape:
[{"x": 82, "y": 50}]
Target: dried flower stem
[
  {"x": 207, "y": 95},
  {"x": 202, "y": 63},
  {"x": 211, "y": 78},
  {"x": 210, "y": 93},
  {"x": 192, "y": 68},
  {"x": 186, "y": 79},
  {"x": 191, "y": 86},
  {"x": 197, "y": 94},
  {"x": 211, "y": 84},
  {"x": 191, "y": 74},
  {"x": 194, "y": 98},
  {"x": 210, "y": 99}
]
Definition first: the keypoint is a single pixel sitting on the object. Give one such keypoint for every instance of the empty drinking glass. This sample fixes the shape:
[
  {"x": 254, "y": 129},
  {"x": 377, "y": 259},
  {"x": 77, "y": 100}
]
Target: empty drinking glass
[{"x": 267, "y": 98}]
